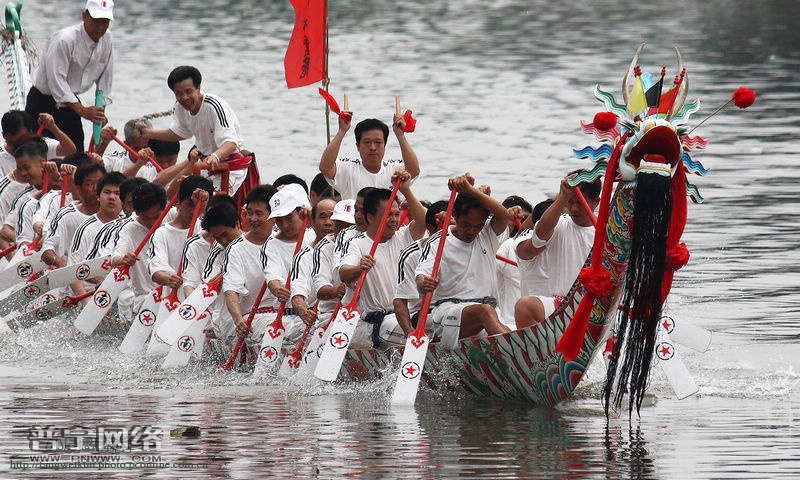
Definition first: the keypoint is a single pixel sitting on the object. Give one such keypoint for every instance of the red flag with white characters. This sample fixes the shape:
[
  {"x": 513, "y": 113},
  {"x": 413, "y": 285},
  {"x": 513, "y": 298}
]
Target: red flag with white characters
[{"x": 304, "y": 62}]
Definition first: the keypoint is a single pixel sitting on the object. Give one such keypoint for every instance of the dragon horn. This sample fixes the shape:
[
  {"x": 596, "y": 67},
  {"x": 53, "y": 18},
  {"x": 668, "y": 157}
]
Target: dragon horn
[
  {"x": 625, "y": 94},
  {"x": 684, "y": 88}
]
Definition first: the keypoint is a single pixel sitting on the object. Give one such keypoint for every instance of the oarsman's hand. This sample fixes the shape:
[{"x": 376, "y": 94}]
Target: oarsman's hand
[
  {"x": 67, "y": 169},
  {"x": 37, "y": 228},
  {"x": 565, "y": 189},
  {"x": 462, "y": 183},
  {"x": 429, "y": 284},
  {"x": 95, "y": 114},
  {"x": 129, "y": 259},
  {"x": 174, "y": 281},
  {"x": 516, "y": 212},
  {"x": 341, "y": 289},
  {"x": 241, "y": 327},
  {"x": 485, "y": 189},
  {"x": 48, "y": 121},
  {"x": 145, "y": 155},
  {"x": 107, "y": 134},
  {"x": 281, "y": 293},
  {"x": 199, "y": 196},
  {"x": 51, "y": 167},
  {"x": 95, "y": 158},
  {"x": 344, "y": 123},
  {"x": 367, "y": 262},
  {"x": 194, "y": 155},
  {"x": 213, "y": 162},
  {"x": 308, "y": 316},
  {"x": 304, "y": 212},
  {"x": 399, "y": 124}
]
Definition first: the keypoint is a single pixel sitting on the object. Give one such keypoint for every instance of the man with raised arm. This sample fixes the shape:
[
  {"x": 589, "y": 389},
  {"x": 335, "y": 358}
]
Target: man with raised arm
[
  {"x": 462, "y": 293},
  {"x": 210, "y": 120},
  {"x": 370, "y": 169},
  {"x": 552, "y": 253},
  {"x": 73, "y": 60}
]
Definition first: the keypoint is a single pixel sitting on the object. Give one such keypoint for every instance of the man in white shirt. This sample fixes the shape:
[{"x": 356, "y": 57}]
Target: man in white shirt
[
  {"x": 462, "y": 293},
  {"x": 210, "y": 120},
  {"x": 370, "y": 169},
  {"x": 16, "y": 131},
  {"x": 552, "y": 253},
  {"x": 74, "y": 59}
]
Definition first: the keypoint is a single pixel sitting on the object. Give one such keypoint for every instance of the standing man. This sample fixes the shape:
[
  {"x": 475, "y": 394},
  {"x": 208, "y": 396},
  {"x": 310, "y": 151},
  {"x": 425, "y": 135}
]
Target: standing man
[
  {"x": 210, "y": 120},
  {"x": 370, "y": 170},
  {"x": 74, "y": 59}
]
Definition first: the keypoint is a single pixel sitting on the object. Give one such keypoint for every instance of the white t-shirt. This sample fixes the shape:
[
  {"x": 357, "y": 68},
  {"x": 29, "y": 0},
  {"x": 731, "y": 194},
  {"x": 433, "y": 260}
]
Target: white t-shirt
[
  {"x": 508, "y": 290},
  {"x": 554, "y": 270},
  {"x": 106, "y": 238},
  {"x": 130, "y": 236},
  {"x": 214, "y": 265},
  {"x": 8, "y": 163},
  {"x": 120, "y": 160},
  {"x": 279, "y": 256},
  {"x": 62, "y": 229},
  {"x": 406, "y": 280},
  {"x": 302, "y": 275},
  {"x": 380, "y": 283},
  {"x": 21, "y": 216},
  {"x": 10, "y": 191},
  {"x": 322, "y": 272},
  {"x": 351, "y": 176},
  {"x": 49, "y": 205},
  {"x": 84, "y": 238},
  {"x": 212, "y": 125},
  {"x": 467, "y": 270},
  {"x": 165, "y": 249},
  {"x": 243, "y": 273},
  {"x": 195, "y": 254}
]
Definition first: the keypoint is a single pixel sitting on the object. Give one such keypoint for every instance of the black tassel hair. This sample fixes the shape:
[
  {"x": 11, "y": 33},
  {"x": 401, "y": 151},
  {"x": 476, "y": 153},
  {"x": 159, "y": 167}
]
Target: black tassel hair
[{"x": 640, "y": 308}]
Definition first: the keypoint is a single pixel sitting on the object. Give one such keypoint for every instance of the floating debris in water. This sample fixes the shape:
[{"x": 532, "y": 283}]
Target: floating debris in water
[{"x": 192, "y": 432}]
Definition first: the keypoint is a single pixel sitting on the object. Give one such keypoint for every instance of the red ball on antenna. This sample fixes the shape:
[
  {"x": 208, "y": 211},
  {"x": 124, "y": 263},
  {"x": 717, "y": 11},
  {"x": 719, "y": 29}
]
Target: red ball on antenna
[
  {"x": 605, "y": 121},
  {"x": 743, "y": 97}
]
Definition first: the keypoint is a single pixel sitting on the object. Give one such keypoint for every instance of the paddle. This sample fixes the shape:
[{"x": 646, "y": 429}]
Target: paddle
[
  {"x": 506, "y": 260},
  {"x": 311, "y": 355},
  {"x": 292, "y": 360},
  {"x": 108, "y": 291},
  {"x": 46, "y": 312},
  {"x": 671, "y": 363},
  {"x": 405, "y": 390},
  {"x": 189, "y": 310},
  {"x": 240, "y": 342},
  {"x": 273, "y": 336},
  {"x": 188, "y": 344},
  {"x": 97, "y": 127},
  {"x": 347, "y": 318},
  {"x": 170, "y": 302},
  {"x": 135, "y": 154}
]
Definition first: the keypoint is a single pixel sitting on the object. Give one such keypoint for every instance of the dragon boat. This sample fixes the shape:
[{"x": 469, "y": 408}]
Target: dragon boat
[
  {"x": 626, "y": 278},
  {"x": 15, "y": 51}
]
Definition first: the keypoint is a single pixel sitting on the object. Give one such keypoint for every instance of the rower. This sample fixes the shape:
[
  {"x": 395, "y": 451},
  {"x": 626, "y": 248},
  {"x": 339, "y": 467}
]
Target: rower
[
  {"x": 16, "y": 124},
  {"x": 370, "y": 169},
  {"x": 552, "y": 253},
  {"x": 62, "y": 228},
  {"x": 328, "y": 291},
  {"x": 210, "y": 120},
  {"x": 377, "y": 295},
  {"x": 462, "y": 293}
]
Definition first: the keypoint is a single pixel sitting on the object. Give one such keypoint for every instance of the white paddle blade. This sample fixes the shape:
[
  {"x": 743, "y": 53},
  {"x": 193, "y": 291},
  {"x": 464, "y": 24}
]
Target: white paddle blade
[
  {"x": 24, "y": 295},
  {"x": 63, "y": 276},
  {"x": 687, "y": 334},
  {"x": 105, "y": 296},
  {"x": 305, "y": 371},
  {"x": 270, "y": 353},
  {"x": 335, "y": 348},
  {"x": 157, "y": 347},
  {"x": 24, "y": 264},
  {"x": 143, "y": 323},
  {"x": 189, "y": 343},
  {"x": 679, "y": 377},
  {"x": 405, "y": 390},
  {"x": 186, "y": 314}
]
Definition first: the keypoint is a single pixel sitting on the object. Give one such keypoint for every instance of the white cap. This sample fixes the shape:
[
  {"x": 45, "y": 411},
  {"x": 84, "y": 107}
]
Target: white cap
[
  {"x": 101, "y": 8},
  {"x": 345, "y": 211},
  {"x": 287, "y": 200}
]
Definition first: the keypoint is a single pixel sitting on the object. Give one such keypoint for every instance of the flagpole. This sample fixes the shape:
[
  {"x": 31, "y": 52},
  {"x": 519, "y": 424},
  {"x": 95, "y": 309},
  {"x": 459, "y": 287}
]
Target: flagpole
[{"x": 326, "y": 81}]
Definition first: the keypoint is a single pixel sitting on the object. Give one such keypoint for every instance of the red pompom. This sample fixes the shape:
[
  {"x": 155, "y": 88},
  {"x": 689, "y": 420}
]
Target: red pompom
[
  {"x": 597, "y": 281},
  {"x": 677, "y": 257},
  {"x": 411, "y": 122},
  {"x": 605, "y": 121},
  {"x": 743, "y": 97}
]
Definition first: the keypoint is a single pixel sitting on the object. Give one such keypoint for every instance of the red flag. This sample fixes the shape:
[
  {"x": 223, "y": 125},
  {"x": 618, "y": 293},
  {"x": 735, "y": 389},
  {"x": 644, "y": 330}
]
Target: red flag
[{"x": 305, "y": 57}]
